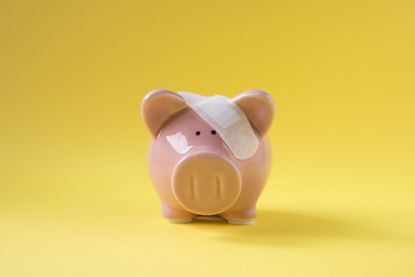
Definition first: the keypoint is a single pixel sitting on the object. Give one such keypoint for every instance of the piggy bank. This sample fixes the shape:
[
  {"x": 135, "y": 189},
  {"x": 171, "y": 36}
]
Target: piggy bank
[{"x": 208, "y": 156}]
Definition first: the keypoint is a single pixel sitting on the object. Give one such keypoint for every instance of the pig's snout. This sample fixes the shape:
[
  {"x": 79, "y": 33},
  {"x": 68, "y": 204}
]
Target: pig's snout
[{"x": 206, "y": 183}]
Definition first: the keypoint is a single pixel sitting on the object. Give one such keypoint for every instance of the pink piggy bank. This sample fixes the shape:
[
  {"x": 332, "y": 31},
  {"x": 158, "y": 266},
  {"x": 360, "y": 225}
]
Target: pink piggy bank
[{"x": 208, "y": 156}]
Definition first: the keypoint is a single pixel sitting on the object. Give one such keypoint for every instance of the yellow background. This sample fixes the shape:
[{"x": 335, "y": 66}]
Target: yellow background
[{"x": 75, "y": 197}]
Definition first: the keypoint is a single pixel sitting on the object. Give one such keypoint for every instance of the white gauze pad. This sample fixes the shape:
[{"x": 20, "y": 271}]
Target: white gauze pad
[{"x": 228, "y": 120}]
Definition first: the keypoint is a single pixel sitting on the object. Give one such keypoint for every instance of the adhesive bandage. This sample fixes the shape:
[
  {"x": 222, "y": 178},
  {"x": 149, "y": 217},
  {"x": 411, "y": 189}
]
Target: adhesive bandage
[{"x": 229, "y": 121}]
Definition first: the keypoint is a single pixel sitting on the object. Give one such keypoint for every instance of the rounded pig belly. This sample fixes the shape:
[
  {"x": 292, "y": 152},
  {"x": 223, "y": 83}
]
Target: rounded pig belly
[{"x": 206, "y": 184}]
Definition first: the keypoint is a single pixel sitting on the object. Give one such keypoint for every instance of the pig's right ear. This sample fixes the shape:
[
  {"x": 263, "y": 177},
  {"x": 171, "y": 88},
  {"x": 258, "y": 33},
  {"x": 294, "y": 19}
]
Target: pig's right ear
[{"x": 158, "y": 106}]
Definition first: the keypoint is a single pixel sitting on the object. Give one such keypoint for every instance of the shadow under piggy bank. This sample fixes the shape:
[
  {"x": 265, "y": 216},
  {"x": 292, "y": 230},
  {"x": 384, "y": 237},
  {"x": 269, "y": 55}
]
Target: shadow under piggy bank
[{"x": 279, "y": 228}]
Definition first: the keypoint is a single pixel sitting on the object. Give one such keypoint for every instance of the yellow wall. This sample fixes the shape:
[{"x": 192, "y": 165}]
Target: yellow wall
[{"x": 75, "y": 198}]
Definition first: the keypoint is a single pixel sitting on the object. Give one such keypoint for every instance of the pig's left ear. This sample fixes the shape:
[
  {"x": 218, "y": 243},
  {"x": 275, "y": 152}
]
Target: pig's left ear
[
  {"x": 258, "y": 107},
  {"x": 158, "y": 106}
]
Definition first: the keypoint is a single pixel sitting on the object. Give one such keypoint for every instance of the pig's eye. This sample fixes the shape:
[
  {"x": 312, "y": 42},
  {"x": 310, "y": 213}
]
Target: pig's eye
[
  {"x": 197, "y": 133},
  {"x": 213, "y": 132}
]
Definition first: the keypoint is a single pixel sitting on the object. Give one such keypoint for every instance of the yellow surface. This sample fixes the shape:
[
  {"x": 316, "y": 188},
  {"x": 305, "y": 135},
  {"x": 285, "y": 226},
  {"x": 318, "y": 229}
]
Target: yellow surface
[{"x": 75, "y": 197}]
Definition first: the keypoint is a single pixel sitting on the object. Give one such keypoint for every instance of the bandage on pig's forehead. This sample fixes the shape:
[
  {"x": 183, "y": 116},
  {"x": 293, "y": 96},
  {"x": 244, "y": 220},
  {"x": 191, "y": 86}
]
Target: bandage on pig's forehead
[{"x": 228, "y": 120}]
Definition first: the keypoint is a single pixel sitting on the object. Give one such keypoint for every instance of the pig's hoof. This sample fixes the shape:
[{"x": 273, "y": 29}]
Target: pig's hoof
[
  {"x": 241, "y": 222},
  {"x": 180, "y": 220},
  {"x": 174, "y": 215}
]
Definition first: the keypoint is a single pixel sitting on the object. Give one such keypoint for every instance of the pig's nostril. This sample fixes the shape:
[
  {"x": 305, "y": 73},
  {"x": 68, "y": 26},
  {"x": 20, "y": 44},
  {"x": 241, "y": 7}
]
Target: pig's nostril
[
  {"x": 192, "y": 187},
  {"x": 213, "y": 132},
  {"x": 218, "y": 187},
  {"x": 197, "y": 133}
]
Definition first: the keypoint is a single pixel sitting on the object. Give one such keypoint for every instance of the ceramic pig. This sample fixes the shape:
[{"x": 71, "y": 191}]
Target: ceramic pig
[{"x": 201, "y": 162}]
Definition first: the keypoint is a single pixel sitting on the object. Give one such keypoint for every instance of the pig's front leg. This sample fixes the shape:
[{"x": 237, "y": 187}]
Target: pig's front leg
[
  {"x": 175, "y": 215},
  {"x": 244, "y": 216}
]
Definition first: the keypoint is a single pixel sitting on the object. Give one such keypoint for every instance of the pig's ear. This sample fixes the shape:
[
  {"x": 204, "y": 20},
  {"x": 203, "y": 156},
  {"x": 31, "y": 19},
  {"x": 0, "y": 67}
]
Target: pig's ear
[
  {"x": 158, "y": 106},
  {"x": 258, "y": 107}
]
